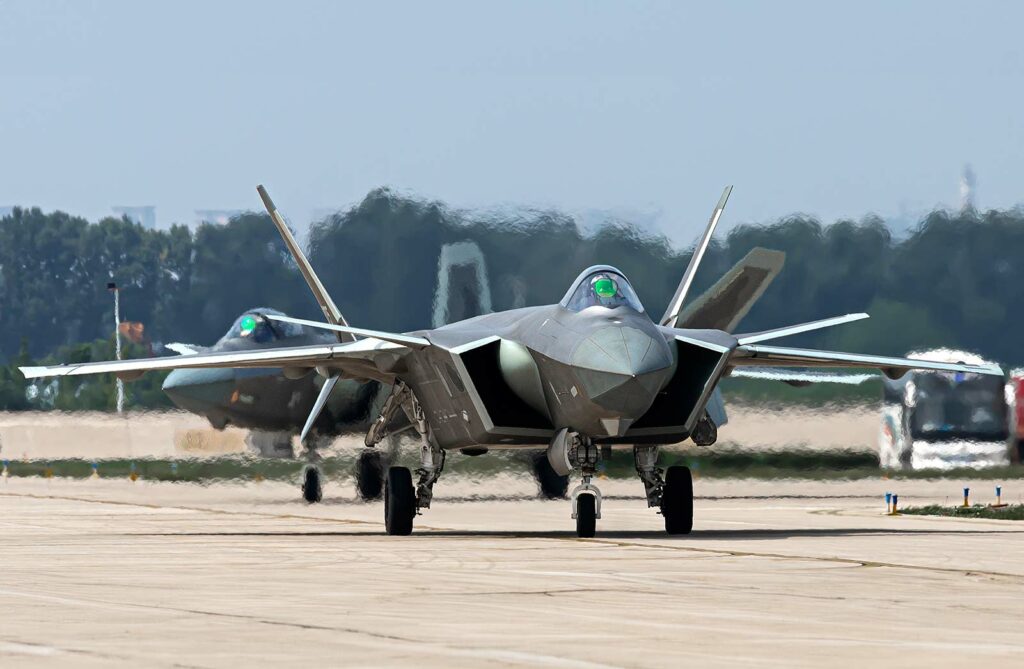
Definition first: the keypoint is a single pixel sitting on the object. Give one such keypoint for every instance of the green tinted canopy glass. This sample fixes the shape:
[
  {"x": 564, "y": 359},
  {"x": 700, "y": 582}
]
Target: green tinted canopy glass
[
  {"x": 605, "y": 287},
  {"x": 248, "y": 324}
]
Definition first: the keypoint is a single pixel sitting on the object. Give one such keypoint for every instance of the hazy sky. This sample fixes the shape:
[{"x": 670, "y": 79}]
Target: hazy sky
[{"x": 647, "y": 108}]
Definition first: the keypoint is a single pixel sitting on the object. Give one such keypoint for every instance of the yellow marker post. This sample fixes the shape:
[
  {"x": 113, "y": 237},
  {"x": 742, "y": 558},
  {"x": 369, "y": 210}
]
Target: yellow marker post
[
  {"x": 895, "y": 500},
  {"x": 95, "y": 471},
  {"x": 967, "y": 493}
]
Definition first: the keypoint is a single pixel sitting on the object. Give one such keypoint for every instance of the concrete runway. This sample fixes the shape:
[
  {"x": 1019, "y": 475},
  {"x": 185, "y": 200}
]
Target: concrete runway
[{"x": 782, "y": 574}]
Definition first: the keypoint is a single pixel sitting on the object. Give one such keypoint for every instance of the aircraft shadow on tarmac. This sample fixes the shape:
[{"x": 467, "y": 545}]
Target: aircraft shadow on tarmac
[{"x": 696, "y": 535}]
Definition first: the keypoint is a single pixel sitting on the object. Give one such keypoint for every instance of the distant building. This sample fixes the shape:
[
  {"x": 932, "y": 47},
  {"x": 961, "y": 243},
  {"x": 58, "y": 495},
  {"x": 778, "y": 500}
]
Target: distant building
[
  {"x": 216, "y": 216},
  {"x": 144, "y": 216},
  {"x": 968, "y": 184}
]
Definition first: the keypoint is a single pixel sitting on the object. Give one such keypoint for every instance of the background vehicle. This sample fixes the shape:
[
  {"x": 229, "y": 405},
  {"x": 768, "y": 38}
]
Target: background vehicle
[{"x": 945, "y": 420}]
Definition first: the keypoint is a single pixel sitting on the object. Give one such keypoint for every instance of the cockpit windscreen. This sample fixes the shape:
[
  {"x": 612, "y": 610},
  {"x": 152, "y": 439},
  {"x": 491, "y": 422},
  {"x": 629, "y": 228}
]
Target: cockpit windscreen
[
  {"x": 603, "y": 288},
  {"x": 253, "y": 327}
]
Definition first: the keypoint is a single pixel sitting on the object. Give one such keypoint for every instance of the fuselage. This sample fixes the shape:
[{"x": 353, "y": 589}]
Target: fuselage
[{"x": 515, "y": 378}]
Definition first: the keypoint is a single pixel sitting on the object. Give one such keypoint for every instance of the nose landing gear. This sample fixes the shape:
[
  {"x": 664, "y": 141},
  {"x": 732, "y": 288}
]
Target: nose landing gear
[{"x": 568, "y": 451}]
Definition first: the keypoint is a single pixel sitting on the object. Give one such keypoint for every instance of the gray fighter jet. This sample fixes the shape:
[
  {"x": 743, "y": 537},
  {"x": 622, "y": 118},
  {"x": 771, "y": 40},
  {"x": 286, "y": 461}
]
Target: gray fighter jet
[
  {"x": 592, "y": 372},
  {"x": 274, "y": 404}
]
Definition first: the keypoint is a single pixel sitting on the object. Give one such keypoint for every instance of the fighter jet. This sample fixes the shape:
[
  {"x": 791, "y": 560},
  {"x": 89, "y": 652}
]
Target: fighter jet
[
  {"x": 593, "y": 371},
  {"x": 274, "y": 404}
]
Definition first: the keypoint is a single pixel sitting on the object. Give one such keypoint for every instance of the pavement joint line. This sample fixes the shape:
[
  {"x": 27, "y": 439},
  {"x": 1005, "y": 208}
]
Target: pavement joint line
[
  {"x": 840, "y": 560},
  {"x": 226, "y": 512},
  {"x": 494, "y": 654}
]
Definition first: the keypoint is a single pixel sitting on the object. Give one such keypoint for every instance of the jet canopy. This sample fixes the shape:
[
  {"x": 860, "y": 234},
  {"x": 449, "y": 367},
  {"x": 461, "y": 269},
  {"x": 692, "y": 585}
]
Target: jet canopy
[
  {"x": 601, "y": 286},
  {"x": 252, "y": 326}
]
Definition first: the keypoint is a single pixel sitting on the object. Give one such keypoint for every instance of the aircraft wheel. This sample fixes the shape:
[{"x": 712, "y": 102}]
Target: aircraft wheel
[
  {"x": 677, "y": 500},
  {"x": 586, "y": 516},
  {"x": 552, "y": 486},
  {"x": 399, "y": 502},
  {"x": 370, "y": 474},
  {"x": 312, "y": 492}
]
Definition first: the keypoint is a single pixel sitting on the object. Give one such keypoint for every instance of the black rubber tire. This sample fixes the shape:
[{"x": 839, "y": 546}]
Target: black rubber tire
[
  {"x": 677, "y": 500},
  {"x": 399, "y": 502},
  {"x": 370, "y": 475},
  {"x": 552, "y": 486},
  {"x": 586, "y": 516},
  {"x": 312, "y": 491}
]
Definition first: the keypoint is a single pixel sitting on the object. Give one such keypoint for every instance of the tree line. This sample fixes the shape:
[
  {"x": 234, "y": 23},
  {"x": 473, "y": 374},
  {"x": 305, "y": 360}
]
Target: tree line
[{"x": 955, "y": 280}]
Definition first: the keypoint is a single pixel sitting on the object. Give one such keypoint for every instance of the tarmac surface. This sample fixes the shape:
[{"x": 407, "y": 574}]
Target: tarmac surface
[{"x": 783, "y": 573}]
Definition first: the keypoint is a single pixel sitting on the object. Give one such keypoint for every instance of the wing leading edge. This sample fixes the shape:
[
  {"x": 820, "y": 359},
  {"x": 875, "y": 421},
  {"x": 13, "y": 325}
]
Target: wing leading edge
[{"x": 366, "y": 358}]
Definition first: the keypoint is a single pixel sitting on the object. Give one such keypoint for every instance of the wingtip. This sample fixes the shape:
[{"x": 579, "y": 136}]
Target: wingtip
[{"x": 32, "y": 372}]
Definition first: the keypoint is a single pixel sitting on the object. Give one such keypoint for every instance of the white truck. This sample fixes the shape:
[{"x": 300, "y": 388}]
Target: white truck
[{"x": 946, "y": 420}]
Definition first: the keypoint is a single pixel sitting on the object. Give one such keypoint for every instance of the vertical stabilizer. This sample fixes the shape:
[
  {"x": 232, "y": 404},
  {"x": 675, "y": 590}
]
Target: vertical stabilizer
[
  {"x": 676, "y": 305},
  {"x": 331, "y": 311}
]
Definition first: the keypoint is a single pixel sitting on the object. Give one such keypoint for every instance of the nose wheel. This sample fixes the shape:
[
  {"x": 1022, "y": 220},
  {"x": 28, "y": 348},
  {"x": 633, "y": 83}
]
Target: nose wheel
[{"x": 586, "y": 515}]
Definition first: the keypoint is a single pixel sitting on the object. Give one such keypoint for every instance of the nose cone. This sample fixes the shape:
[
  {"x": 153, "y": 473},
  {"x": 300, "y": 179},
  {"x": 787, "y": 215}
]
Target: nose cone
[
  {"x": 622, "y": 369},
  {"x": 197, "y": 390}
]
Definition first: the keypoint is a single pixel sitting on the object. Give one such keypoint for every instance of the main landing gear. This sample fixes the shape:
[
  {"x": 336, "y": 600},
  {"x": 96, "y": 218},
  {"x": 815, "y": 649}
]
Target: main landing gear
[
  {"x": 402, "y": 500},
  {"x": 312, "y": 490},
  {"x": 370, "y": 474},
  {"x": 673, "y": 494},
  {"x": 312, "y": 487}
]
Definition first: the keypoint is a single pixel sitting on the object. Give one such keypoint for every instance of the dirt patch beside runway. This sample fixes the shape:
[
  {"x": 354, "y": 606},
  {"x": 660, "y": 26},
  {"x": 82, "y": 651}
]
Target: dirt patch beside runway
[{"x": 95, "y": 435}]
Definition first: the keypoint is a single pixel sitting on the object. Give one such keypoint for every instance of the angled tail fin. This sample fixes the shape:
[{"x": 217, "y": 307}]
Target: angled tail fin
[
  {"x": 331, "y": 311},
  {"x": 676, "y": 305},
  {"x": 724, "y": 305}
]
